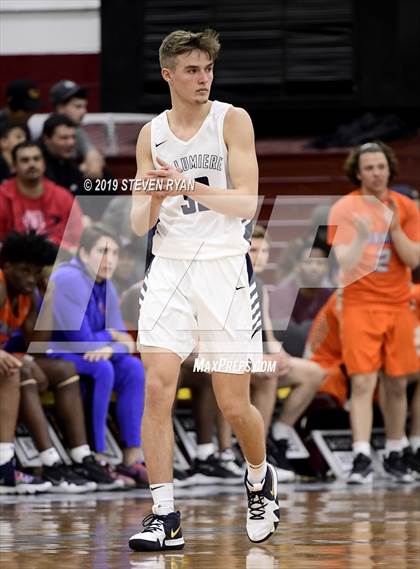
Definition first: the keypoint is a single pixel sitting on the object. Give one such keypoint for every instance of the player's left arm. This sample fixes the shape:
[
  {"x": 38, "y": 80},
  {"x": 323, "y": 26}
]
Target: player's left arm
[
  {"x": 241, "y": 199},
  {"x": 406, "y": 240}
]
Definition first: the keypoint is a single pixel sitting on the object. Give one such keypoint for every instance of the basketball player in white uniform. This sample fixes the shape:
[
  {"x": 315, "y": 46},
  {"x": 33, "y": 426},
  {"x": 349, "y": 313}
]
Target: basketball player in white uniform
[{"x": 198, "y": 294}]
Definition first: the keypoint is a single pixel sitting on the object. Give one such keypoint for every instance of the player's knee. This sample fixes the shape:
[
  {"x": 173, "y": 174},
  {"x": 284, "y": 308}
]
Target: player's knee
[
  {"x": 233, "y": 412},
  {"x": 64, "y": 370},
  {"x": 32, "y": 376},
  {"x": 159, "y": 393},
  {"x": 362, "y": 386},
  {"x": 396, "y": 386},
  {"x": 316, "y": 375}
]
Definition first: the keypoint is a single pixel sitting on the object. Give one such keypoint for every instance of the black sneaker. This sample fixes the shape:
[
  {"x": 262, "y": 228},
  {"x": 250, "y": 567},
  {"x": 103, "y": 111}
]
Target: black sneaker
[
  {"x": 277, "y": 454},
  {"x": 397, "y": 468},
  {"x": 65, "y": 481},
  {"x": 159, "y": 532},
  {"x": 212, "y": 471},
  {"x": 182, "y": 478},
  {"x": 263, "y": 507},
  {"x": 13, "y": 481},
  {"x": 412, "y": 460},
  {"x": 362, "y": 471},
  {"x": 92, "y": 470},
  {"x": 228, "y": 461}
]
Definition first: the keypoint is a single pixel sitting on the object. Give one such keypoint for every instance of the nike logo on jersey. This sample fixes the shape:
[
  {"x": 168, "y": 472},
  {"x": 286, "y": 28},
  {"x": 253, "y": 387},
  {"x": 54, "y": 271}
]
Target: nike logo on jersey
[
  {"x": 239, "y": 287},
  {"x": 159, "y": 143}
]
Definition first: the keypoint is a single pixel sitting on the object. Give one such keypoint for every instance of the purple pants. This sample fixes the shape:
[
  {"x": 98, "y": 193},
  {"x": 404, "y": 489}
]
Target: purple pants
[{"x": 123, "y": 374}]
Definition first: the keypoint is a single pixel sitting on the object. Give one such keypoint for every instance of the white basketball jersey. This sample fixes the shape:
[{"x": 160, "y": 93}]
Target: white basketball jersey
[{"x": 186, "y": 229}]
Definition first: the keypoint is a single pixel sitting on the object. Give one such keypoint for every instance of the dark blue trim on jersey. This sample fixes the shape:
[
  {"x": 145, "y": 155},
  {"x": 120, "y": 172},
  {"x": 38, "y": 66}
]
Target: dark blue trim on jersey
[
  {"x": 149, "y": 254},
  {"x": 249, "y": 269}
]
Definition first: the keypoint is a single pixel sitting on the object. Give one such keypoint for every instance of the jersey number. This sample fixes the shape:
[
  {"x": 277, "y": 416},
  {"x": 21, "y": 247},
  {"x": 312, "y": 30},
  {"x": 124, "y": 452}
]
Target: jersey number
[{"x": 191, "y": 206}]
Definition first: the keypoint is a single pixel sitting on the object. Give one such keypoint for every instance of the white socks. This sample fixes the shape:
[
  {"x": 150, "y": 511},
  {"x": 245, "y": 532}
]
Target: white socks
[
  {"x": 361, "y": 447},
  {"x": 49, "y": 457},
  {"x": 77, "y": 454},
  {"x": 256, "y": 473},
  {"x": 7, "y": 452},
  {"x": 204, "y": 451},
  {"x": 415, "y": 443},
  {"x": 163, "y": 498},
  {"x": 395, "y": 445},
  {"x": 280, "y": 430}
]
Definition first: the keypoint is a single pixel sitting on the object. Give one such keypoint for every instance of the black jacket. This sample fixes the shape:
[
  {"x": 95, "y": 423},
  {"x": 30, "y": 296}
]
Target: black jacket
[{"x": 63, "y": 172}]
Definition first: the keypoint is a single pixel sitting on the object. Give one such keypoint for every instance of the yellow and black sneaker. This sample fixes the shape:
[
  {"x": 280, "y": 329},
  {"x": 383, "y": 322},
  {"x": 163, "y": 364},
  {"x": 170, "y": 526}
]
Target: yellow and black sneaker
[
  {"x": 158, "y": 533},
  {"x": 263, "y": 507}
]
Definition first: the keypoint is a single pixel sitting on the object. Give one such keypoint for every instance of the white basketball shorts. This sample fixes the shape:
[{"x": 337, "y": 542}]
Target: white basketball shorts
[{"x": 208, "y": 307}]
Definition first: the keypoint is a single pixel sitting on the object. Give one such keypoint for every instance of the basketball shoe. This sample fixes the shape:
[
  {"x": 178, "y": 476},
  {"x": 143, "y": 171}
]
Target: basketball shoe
[
  {"x": 212, "y": 471},
  {"x": 13, "y": 481},
  {"x": 277, "y": 454},
  {"x": 396, "y": 467},
  {"x": 158, "y": 533},
  {"x": 65, "y": 481},
  {"x": 412, "y": 460},
  {"x": 263, "y": 507},
  {"x": 94, "y": 471},
  {"x": 362, "y": 471}
]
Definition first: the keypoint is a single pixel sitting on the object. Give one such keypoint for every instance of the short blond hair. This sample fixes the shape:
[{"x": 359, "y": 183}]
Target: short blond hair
[{"x": 181, "y": 41}]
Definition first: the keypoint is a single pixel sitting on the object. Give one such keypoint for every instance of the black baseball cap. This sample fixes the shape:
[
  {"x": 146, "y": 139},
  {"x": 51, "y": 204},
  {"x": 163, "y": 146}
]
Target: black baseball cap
[
  {"x": 23, "y": 94},
  {"x": 65, "y": 90}
]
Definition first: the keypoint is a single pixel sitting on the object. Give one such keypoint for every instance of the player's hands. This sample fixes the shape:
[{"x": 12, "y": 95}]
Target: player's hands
[
  {"x": 165, "y": 173},
  {"x": 277, "y": 353},
  {"x": 103, "y": 353},
  {"x": 363, "y": 226},
  {"x": 395, "y": 221},
  {"x": 8, "y": 363}
]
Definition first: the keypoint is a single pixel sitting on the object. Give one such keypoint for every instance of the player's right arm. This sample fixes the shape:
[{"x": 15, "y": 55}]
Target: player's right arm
[{"x": 144, "y": 208}]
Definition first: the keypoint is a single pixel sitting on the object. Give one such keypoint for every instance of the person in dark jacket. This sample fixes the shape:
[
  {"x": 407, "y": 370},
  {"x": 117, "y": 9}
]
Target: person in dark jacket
[{"x": 58, "y": 146}]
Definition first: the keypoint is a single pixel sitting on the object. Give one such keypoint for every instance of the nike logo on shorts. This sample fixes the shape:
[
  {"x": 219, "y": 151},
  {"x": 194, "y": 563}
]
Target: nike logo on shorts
[{"x": 239, "y": 287}]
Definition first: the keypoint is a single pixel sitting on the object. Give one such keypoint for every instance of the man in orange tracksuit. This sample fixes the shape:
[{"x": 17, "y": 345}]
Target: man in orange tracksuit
[{"x": 376, "y": 233}]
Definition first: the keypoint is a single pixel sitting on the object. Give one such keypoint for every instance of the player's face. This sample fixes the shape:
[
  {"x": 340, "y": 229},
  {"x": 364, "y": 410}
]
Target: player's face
[
  {"x": 75, "y": 109},
  {"x": 30, "y": 165},
  {"x": 62, "y": 142},
  {"x": 23, "y": 277},
  {"x": 312, "y": 268},
  {"x": 191, "y": 77},
  {"x": 259, "y": 252},
  {"x": 373, "y": 172},
  {"x": 102, "y": 259},
  {"x": 14, "y": 137}
]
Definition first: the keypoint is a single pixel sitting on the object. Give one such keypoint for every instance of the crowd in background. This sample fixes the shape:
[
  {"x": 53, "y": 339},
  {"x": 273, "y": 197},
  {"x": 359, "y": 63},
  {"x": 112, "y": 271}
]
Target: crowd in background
[{"x": 89, "y": 301}]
